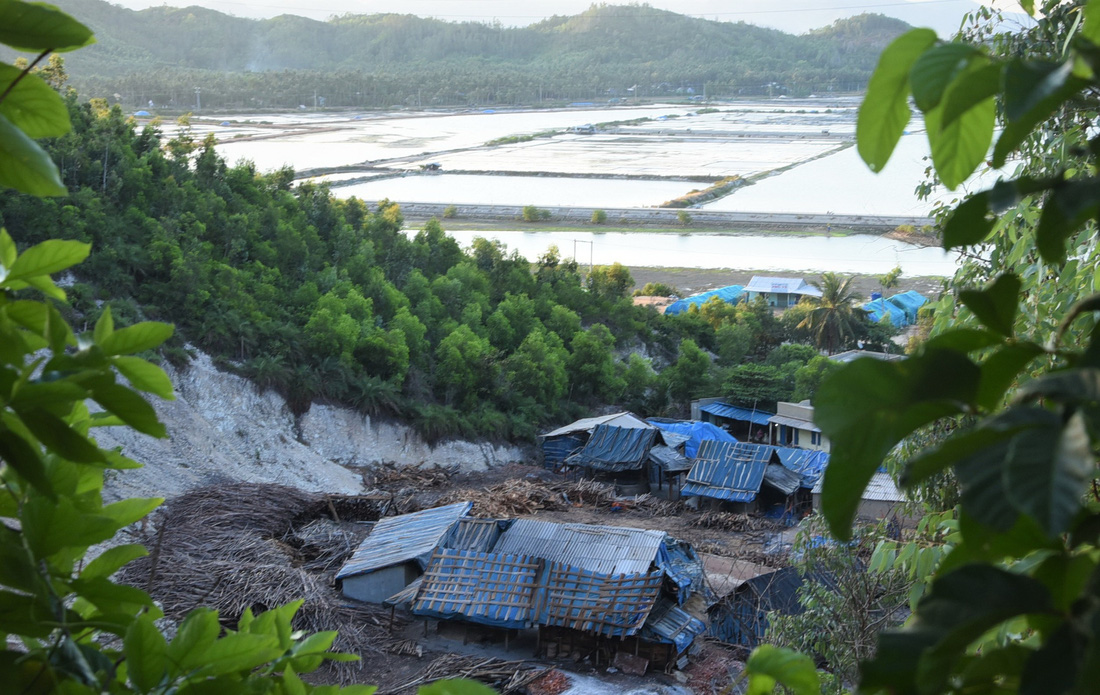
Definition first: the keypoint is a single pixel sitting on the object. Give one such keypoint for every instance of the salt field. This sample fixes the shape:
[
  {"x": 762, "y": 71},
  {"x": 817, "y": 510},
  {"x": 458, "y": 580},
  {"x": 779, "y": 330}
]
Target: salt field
[
  {"x": 518, "y": 190},
  {"x": 857, "y": 253}
]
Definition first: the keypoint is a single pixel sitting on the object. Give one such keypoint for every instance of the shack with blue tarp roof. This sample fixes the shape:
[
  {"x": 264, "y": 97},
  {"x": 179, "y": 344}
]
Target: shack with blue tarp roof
[
  {"x": 695, "y": 431},
  {"x": 880, "y": 309},
  {"x": 734, "y": 474},
  {"x": 745, "y": 424},
  {"x": 742, "y": 616},
  {"x": 565, "y": 441},
  {"x": 910, "y": 303},
  {"x": 731, "y": 295}
]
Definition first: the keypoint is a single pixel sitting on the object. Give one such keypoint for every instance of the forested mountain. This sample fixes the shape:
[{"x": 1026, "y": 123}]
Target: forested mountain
[{"x": 163, "y": 53}]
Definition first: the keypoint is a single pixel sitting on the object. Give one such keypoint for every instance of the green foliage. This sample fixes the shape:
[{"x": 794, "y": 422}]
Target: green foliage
[
  {"x": 769, "y": 666},
  {"x": 656, "y": 289},
  {"x": 450, "y": 212},
  {"x": 532, "y": 213},
  {"x": 599, "y": 217},
  {"x": 833, "y": 322},
  {"x": 690, "y": 375},
  {"x": 1011, "y": 365},
  {"x": 684, "y": 218}
]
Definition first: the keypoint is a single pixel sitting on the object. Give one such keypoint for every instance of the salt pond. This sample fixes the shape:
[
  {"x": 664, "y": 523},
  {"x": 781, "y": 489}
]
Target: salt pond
[
  {"x": 518, "y": 190},
  {"x": 860, "y": 253},
  {"x": 842, "y": 184}
]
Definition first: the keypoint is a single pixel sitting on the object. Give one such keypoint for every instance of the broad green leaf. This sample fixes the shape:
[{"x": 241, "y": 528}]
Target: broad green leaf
[
  {"x": 959, "y": 147},
  {"x": 45, "y": 285},
  {"x": 996, "y": 305},
  {"x": 964, "y": 340},
  {"x": 40, "y": 27},
  {"x": 8, "y": 250},
  {"x": 1091, "y": 28},
  {"x": 134, "y": 410},
  {"x": 146, "y": 654},
  {"x": 884, "y": 112},
  {"x": 112, "y": 560},
  {"x": 292, "y": 684},
  {"x": 49, "y": 526},
  {"x": 312, "y": 651},
  {"x": 1067, "y": 386},
  {"x": 48, "y": 257},
  {"x": 1048, "y": 471},
  {"x": 195, "y": 635},
  {"x": 277, "y": 622},
  {"x": 958, "y": 448},
  {"x": 58, "y": 437},
  {"x": 33, "y": 106},
  {"x": 48, "y": 393},
  {"x": 970, "y": 89},
  {"x": 237, "y": 652},
  {"x": 1070, "y": 205},
  {"x": 24, "y": 165},
  {"x": 127, "y": 511},
  {"x": 142, "y": 336},
  {"x": 1053, "y": 667},
  {"x": 970, "y": 223},
  {"x": 1033, "y": 92},
  {"x": 104, "y": 326},
  {"x": 935, "y": 69},
  {"x": 145, "y": 376},
  {"x": 1001, "y": 369},
  {"x": 456, "y": 686},
  {"x": 34, "y": 316},
  {"x": 867, "y": 407},
  {"x": 20, "y": 455},
  {"x": 794, "y": 671}
]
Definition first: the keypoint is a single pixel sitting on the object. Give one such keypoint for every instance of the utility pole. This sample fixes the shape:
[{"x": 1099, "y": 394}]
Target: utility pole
[
  {"x": 198, "y": 98},
  {"x": 591, "y": 252}
]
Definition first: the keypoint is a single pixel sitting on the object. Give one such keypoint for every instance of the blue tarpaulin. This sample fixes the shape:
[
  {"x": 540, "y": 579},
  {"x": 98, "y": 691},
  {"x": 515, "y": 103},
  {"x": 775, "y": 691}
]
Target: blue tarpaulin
[
  {"x": 734, "y": 412},
  {"x": 807, "y": 463},
  {"x": 556, "y": 449},
  {"x": 909, "y": 302},
  {"x": 881, "y": 309},
  {"x": 697, "y": 432},
  {"x": 731, "y": 472},
  {"x": 670, "y": 624},
  {"x": 615, "y": 449},
  {"x": 742, "y": 617},
  {"x": 731, "y": 294},
  {"x": 481, "y": 588}
]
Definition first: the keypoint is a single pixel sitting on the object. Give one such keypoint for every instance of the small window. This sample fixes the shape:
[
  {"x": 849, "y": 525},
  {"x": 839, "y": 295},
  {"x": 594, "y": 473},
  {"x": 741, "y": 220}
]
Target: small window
[
  {"x": 795, "y": 436},
  {"x": 815, "y": 438}
]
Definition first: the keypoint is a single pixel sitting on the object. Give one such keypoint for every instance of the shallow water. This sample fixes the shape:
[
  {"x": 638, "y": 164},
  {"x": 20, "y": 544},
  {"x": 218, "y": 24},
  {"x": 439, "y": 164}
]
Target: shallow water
[
  {"x": 859, "y": 253},
  {"x": 518, "y": 190}
]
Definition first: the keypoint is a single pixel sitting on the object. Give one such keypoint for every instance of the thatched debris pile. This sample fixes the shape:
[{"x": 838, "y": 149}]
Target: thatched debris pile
[
  {"x": 729, "y": 521},
  {"x": 503, "y": 676},
  {"x": 232, "y": 547},
  {"x": 526, "y": 496}
]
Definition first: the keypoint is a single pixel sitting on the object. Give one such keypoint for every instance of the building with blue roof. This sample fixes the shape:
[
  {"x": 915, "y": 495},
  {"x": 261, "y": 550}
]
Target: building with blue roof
[
  {"x": 880, "y": 309},
  {"x": 910, "y": 303},
  {"x": 744, "y": 424},
  {"x": 695, "y": 431},
  {"x": 731, "y": 294},
  {"x": 778, "y": 292},
  {"x": 735, "y": 473}
]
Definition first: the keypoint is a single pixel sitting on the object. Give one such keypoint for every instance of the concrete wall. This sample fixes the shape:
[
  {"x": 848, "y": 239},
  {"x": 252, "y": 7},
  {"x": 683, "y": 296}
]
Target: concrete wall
[{"x": 377, "y": 586}]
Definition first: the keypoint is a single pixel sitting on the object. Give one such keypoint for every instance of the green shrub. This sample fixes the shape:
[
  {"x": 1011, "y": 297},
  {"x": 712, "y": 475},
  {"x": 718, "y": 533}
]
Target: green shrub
[
  {"x": 530, "y": 213},
  {"x": 684, "y": 217},
  {"x": 450, "y": 212},
  {"x": 599, "y": 217}
]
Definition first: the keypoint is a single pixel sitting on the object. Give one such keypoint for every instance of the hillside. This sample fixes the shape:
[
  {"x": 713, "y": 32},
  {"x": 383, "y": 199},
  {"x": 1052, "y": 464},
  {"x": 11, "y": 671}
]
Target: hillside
[{"x": 163, "y": 53}]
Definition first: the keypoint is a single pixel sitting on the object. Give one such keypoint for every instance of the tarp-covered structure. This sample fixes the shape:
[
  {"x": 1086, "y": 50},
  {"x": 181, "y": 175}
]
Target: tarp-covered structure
[
  {"x": 696, "y": 432},
  {"x": 742, "y": 616},
  {"x": 736, "y": 412},
  {"x": 614, "y": 449},
  {"x": 599, "y": 580},
  {"x": 809, "y": 464},
  {"x": 879, "y": 310},
  {"x": 565, "y": 441},
  {"x": 731, "y": 294},
  {"x": 730, "y": 472},
  {"x": 910, "y": 303}
]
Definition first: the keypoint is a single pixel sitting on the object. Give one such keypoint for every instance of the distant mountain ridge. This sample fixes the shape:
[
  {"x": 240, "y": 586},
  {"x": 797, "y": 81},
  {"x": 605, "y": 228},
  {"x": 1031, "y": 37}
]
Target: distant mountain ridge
[{"x": 599, "y": 51}]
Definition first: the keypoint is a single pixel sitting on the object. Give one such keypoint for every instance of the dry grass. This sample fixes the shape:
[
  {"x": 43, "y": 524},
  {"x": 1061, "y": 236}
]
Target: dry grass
[{"x": 233, "y": 547}]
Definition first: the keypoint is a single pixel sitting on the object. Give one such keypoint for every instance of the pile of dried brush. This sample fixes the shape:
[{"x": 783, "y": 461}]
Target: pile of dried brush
[
  {"x": 504, "y": 676},
  {"x": 729, "y": 521},
  {"x": 392, "y": 476},
  {"x": 520, "y": 497},
  {"x": 232, "y": 547}
]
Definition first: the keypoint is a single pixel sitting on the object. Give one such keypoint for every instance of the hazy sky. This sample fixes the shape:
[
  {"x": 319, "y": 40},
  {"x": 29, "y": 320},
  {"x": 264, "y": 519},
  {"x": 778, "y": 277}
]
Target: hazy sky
[{"x": 795, "y": 16}]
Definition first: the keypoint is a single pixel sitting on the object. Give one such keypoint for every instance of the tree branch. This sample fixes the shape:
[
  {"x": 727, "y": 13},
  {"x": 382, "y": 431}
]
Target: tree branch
[{"x": 23, "y": 74}]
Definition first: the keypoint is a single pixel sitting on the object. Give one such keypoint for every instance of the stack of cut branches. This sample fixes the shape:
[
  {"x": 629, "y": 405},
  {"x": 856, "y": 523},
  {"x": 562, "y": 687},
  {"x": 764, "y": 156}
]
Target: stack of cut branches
[
  {"x": 232, "y": 547},
  {"x": 729, "y": 521},
  {"x": 505, "y": 676}
]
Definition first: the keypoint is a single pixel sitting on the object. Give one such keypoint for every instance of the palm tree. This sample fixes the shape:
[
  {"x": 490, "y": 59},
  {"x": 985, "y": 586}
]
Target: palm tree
[{"x": 834, "y": 319}]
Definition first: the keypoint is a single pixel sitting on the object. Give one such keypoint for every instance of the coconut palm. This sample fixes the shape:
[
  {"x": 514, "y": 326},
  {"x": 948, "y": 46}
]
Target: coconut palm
[{"x": 834, "y": 320}]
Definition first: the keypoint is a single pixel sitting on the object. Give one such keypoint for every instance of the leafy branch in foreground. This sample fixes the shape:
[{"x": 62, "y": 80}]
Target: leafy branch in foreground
[{"x": 1014, "y": 603}]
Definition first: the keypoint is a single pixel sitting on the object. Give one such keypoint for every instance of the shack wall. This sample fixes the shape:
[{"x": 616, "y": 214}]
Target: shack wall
[{"x": 377, "y": 586}]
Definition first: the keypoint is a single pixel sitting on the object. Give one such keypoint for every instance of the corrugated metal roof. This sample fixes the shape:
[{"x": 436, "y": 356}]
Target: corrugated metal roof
[
  {"x": 669, "y": 460},
  {"x": 776, "y": 285},
  {"x": 782, "y": 478},
  {"x": 733, "y": 412},
  {"x": 608, "y": 549},
  {"x": 808, "y": 463},
  {"x": 731, "y": 294},
  {"x": 406, "y": 596},
  {"x": 695, "y": 432},
  {"x": 725, "y": 471},
  {"x": 487, "y": 588},
  {"x": 612, "y": 448},
  {"x": 880, "y": 489},
  {"x": 615, "y": 605},
  {"x": 670, "y": 624},
  {"x": 474, "y": 534},
  {"x": 794, "y": 422},
  {"x": 404, "y": 538},
  {"x": 588, "y": 424}
]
